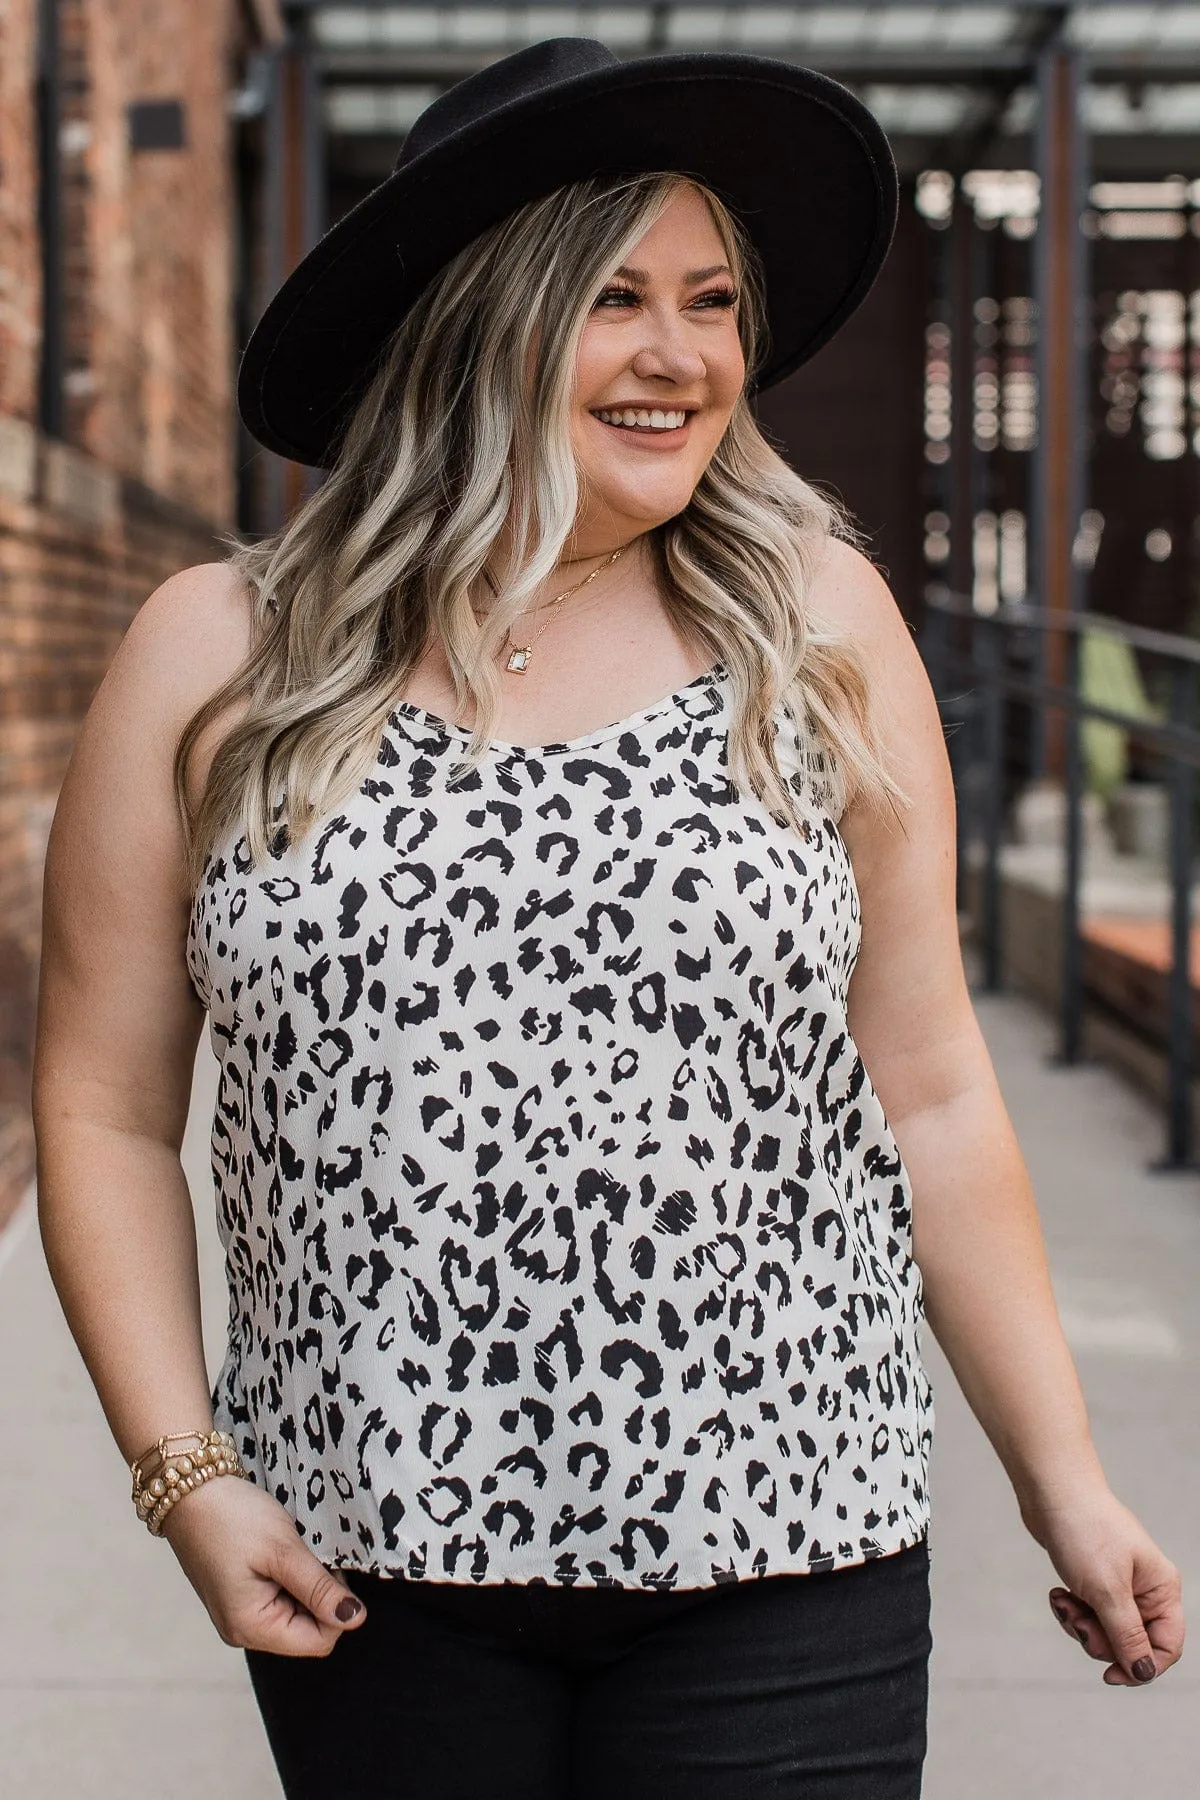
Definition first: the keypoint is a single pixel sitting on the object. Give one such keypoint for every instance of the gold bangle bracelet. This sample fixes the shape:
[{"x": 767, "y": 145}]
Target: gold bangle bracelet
[
  {"x": 159, "y": 1449},
  {"x": 176, "y": 1472}
]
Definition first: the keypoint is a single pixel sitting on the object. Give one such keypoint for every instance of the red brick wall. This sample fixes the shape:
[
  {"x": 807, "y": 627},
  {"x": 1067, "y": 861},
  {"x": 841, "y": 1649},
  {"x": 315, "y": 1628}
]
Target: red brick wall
[
  {"x": 20, "y": 266},
  {"x": 77, "y": 557},
  {"x": 89, "y": 527},
  {"x": 150, "y": 351}
]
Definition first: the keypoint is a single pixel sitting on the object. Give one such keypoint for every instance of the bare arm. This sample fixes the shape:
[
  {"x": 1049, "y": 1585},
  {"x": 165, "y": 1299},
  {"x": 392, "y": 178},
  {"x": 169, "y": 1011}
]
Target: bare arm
[
  {"x": 118, "y": 1026},
  {"x": 976, "y": 1234}
]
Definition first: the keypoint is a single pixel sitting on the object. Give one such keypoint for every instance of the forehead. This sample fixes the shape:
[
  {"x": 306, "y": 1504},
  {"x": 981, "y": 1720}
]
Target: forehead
[{"x": 685, "y": 233}]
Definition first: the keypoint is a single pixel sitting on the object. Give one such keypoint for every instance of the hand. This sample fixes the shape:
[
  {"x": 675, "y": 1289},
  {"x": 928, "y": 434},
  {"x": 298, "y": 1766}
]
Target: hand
[
  {"x": 263, "y": 1587},
  {"x": 1122, "y": 1598}
]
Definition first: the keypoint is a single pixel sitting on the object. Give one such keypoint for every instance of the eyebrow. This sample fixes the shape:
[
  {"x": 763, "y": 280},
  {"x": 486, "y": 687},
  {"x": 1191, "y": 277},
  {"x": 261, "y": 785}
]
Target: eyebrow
[{"x": 693, "y": 275}]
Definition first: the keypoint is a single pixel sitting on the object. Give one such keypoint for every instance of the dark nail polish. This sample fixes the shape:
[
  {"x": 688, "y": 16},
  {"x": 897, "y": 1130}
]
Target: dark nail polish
[
  {"x": 1081, "y": 1634},
  {"x": 1143, "y": 1668},
  {"x": 1060, "y": 1613},
  {"x": 348, "y": 1609}
]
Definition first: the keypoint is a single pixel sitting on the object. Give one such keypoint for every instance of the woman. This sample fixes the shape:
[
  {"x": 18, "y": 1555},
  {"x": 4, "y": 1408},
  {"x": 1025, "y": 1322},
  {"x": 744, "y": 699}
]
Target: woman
[{"x": 519, "y": 813}]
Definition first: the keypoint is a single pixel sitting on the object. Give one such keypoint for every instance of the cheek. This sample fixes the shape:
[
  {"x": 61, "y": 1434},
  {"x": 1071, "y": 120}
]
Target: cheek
[
  {"x": 728, "y": 372},
  {"x": 597, "y": 361},
  {"x": 727, "y": 377}
]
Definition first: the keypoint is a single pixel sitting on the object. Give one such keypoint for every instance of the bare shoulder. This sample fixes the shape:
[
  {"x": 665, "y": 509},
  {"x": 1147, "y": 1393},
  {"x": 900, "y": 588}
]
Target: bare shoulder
[
  {"x": 851, "y": 596},
  {"x": 849, "y": 593},
  {"x": 185, "y": 641},
  {"x": 188, "y": 638}
]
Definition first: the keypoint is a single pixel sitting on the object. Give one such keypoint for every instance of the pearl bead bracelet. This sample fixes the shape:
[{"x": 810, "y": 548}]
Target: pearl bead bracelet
[{"x": 175, "y": 1473}]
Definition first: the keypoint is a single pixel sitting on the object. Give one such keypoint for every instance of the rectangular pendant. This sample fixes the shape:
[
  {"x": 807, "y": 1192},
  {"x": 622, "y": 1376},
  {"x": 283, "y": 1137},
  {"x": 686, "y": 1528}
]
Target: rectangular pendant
[{"x": 518, "y": 662}]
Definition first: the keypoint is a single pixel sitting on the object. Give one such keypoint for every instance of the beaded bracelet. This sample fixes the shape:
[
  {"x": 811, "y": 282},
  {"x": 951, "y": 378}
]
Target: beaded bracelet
[{"x": 177, "y": 1473}]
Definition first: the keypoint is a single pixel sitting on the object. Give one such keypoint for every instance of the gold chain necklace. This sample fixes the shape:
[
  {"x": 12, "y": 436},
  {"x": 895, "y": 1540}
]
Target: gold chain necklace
[{"x": 518, "y": 660}]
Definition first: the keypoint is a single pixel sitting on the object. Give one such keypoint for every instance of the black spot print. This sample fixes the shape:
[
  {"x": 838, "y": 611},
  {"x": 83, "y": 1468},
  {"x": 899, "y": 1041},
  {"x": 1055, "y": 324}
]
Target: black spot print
[{"x": 566, "y": 1238}]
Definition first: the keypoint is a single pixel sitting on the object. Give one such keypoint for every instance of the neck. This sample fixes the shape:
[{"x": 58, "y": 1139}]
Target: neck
[
  {"x": 575, "y": 555},
  {"x": 576, "y": 561}
]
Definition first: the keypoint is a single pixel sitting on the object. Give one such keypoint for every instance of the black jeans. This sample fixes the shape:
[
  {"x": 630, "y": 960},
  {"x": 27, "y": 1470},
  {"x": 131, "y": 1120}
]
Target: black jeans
[{"x": 812, "y": 1686}]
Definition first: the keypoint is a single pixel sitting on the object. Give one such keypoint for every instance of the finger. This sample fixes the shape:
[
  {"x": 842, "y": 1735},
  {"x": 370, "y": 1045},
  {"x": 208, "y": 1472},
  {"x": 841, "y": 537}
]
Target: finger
[
  {"x": 1130, "y": 1647},
  {"x": 1062, "y": 1605},
  {"x": 1080, "y": 1622},
  {"x": 1062, "y": 1612},
  {"x": 261, "y": 1615},
  {"x": 1161, "y": 1608},
  {"x": 325, "y": 1597},
  {"x": 1115, "y": 1676},
  {"x": 285, "y": 1628},
  {"x": 1166, "y": 1643},
  {"x": 331, "y": 1600}
]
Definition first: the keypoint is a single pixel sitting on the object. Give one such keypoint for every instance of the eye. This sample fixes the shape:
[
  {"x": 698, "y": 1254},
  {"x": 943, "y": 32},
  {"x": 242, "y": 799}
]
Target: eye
[
  {"x": 714, "y": 297},
  {"x": 618, "y": 296}
]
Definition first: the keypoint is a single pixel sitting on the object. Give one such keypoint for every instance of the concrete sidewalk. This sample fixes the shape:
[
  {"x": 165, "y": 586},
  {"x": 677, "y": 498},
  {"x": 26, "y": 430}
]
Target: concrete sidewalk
[
  {"x": 1017, "y": 1709},
  {"x": 110, "y": 1671}
]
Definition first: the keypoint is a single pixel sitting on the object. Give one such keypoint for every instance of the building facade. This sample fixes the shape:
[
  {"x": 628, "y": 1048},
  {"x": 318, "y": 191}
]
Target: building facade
[{"x": 118, "y": 237}]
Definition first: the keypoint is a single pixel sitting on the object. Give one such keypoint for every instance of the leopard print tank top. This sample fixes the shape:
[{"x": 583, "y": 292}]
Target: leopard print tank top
[{"x": 565, "y": 1236}]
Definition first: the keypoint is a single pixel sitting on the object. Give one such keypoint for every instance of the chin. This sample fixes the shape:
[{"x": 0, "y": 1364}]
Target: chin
[{"x": 645, "y": 509}]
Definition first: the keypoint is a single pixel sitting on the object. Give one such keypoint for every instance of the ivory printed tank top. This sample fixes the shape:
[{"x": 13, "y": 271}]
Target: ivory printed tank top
[{"x": 565, "y": 1236}]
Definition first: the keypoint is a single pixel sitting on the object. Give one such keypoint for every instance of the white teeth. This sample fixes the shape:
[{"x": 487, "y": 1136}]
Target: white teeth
[{"x": 652, "y": 420}]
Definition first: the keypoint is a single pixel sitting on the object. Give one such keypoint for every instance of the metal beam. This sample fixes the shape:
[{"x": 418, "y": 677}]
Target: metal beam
[
  {"x": 1017, "y": 6},
  {"x": 1060, "y": 289},
  {"x": 387, "y": 62}
]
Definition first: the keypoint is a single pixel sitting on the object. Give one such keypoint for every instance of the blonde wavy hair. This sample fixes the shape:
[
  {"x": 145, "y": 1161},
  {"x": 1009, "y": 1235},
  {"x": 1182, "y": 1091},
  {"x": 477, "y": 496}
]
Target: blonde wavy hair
[{"x": 461, "y": 444}]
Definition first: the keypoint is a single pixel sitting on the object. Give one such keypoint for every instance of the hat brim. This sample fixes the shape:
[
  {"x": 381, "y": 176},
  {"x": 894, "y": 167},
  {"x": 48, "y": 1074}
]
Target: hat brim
[{"x": 796, "y": 156}]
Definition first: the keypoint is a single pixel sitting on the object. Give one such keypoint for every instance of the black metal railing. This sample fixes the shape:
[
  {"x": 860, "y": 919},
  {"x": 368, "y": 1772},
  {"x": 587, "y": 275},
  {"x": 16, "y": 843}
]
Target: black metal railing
[{"x": 984, "y": 666}]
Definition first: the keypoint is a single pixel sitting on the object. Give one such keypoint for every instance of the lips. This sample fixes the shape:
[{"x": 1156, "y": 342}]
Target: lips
[{"x": 648, "y": 419}]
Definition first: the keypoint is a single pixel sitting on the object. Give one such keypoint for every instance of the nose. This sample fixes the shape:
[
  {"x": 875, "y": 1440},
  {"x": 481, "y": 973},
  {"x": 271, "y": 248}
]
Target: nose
[{"x": 666, "y": 352}]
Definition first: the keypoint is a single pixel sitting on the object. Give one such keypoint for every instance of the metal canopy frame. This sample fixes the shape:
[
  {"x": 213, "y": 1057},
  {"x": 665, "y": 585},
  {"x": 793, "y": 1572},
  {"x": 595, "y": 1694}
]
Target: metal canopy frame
[
  {"x": 987, "y": 71},
  {"x": 933, "y": 58}
]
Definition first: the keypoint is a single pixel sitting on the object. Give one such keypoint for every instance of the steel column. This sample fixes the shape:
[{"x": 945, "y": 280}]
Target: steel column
[
  {"x": 961, "y": 315},
  {"x": 1070, "y": 1036},
  {"x": 992, "y": 655},
  {"x": 1058, "y": 475},
  {"x": 51, "y": 401},
  {"x": 294, "y": 214},
  {"x": 1179, "y": 991},
  {"x": 274, "y": 184}
]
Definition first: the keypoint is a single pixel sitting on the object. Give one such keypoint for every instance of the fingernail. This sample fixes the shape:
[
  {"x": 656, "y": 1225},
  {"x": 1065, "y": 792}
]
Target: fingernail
[
  {"x": 348, "y": 1609},
  {"x": 1060, "y": 1613},
  {"x": 1081, "y": 1634},
  {"x": 1143, "y": 1668}
]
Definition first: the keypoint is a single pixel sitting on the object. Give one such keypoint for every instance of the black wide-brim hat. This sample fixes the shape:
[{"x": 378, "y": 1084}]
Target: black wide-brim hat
[{"x": 795, "y": 156}]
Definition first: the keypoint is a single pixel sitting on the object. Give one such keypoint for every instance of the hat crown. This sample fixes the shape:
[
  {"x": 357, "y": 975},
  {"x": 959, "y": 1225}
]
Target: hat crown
[{"x": 516, "y": 77}]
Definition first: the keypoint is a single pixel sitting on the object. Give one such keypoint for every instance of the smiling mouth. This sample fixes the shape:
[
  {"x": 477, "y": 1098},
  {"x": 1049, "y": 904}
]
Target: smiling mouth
[{"x": 643, "y": 418}]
